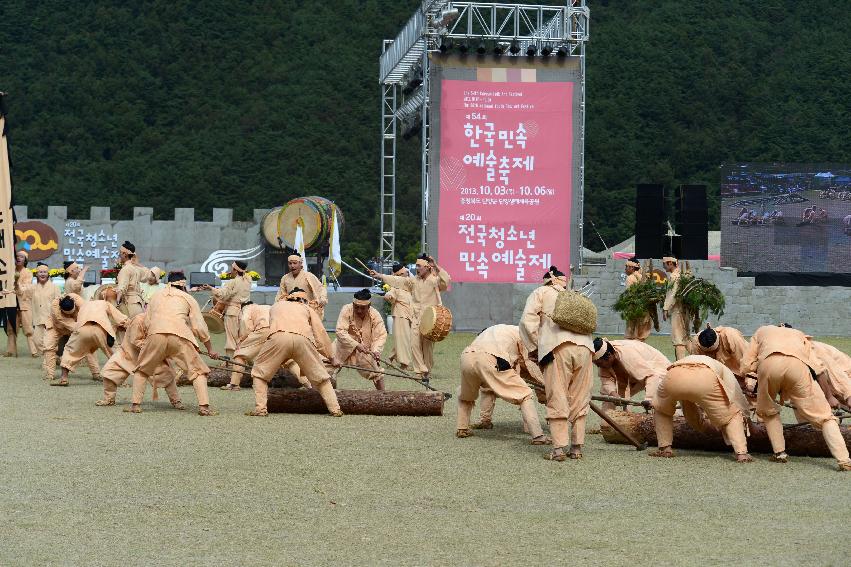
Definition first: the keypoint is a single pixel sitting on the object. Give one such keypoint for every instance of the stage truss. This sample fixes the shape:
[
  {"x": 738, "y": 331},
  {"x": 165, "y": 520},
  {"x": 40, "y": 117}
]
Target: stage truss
[{"x": 404, "y": 77}]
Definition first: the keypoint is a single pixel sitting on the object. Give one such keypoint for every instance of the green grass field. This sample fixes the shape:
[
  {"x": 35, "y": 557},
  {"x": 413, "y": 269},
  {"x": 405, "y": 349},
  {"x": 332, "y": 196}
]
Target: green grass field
[{"x": 84, "y": 485}]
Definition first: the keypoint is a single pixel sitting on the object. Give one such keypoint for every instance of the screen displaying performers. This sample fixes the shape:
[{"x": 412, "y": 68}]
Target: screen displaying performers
[
  {"x": 786, "y": 217},
  {"x": 505, "y": 179}
]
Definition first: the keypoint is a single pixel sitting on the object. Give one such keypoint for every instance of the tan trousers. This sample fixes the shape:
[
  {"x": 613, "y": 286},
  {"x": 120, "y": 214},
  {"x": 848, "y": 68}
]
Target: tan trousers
[
  {"x": 679, "y": 332},
  {"x": 402, "y": 337},
  {"x": 699, "y": 386},
  {"x": 365, "y": 361},
  {"x": 789, "y": 377},
  {"x": 25, "y": 324},
  {"x": 568, "y": 380},
  {"x": 52, "y": 341},
  {"x": 231, "y": 332},
  {"x": 422, "y": 350},
  {"x": 156, "y": 350},
  {"x": 639, "y": 330},
  {"x": 247, "y": 351},
  {"x": 114, "y": 376},
  {"x": 39, "y": 332},
  {"x": 281, "y": 347},
  {"x": 84, "y": 342}
]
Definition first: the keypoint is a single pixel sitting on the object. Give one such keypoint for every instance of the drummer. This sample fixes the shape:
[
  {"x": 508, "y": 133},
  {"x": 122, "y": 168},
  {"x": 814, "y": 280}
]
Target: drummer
[
  {"x": 234, "y": 293},
  {"x": 298, "y": 277},
  {"x": 425, "y": 291}
]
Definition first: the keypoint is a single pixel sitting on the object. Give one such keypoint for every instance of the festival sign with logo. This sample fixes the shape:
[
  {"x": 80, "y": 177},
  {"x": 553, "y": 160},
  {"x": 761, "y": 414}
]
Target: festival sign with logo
[{"x": 38, "y": 238}]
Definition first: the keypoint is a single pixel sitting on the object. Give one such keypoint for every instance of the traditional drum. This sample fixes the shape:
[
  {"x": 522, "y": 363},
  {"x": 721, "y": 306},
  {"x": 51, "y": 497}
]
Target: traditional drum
[
  {"x": 215, "y": 317},
  {"x": 314, "y": 213},
  {"x": 435, "y": 323}
]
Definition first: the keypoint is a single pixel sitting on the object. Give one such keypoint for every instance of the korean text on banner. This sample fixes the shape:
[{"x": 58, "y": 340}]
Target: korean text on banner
[{"x": 506, "y": 167}]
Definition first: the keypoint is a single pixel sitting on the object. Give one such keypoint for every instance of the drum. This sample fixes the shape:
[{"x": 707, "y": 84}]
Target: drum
[
  {"x": 435, "y": 323},
  {"x": 315, "y": 216},
  {"x": 215, "y": 317}
]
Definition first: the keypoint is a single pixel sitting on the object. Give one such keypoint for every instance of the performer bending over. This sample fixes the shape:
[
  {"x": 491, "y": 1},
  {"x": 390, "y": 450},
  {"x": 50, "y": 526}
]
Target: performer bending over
[
  {"x": 93, "y": 331},
  {"x": 360, "y": 337},
  {"x": 628, "y": 367}
]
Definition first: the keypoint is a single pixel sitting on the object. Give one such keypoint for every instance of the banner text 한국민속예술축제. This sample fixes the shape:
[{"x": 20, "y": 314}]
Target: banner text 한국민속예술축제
[{"x": 505, "y": 180}]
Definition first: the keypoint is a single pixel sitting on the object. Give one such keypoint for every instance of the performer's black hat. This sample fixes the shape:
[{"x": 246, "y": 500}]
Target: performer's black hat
[{"x": 362, "y": 297}]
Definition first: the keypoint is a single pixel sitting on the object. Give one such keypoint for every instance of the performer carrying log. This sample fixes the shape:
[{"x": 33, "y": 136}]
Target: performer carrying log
[
  {"x": 639, "y": 329},
  {"x": 59, "y": 328},
  {"x": 94, "y": 330},
  {"x": 495, "y": 360},
  {"x": 41, "y": 295},
  {"x": 785, "y": 364},
  {"x": 673, "y": 309},
  {"x": 628, "y": 367},
  {"x": 425, "y": 291},
  {"x": 296, "y": 333},
  {"x": 125, "y": 359},
  {"x": 298, "y": 277},
  {"x": 174, "y": 321},
  {"x": 709, "y": 394},
  {"x": 565, "y": 359},
  {"x": 360, "y": 338},
  {"x": 233, "y": 294},
  {"x": 403, "y": 314}
]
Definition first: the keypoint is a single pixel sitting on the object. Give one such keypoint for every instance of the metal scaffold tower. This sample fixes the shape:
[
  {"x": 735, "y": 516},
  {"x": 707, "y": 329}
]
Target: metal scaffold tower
[{"x": 520, "y": 30}]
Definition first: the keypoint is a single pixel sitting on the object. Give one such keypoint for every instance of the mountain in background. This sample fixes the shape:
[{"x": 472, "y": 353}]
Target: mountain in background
[{"x": 246, "y": 104}]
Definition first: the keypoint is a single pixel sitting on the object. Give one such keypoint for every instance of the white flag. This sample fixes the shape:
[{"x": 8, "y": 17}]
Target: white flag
[
  {"x": 299, "y": 241},
  {"x": 335, "y": 261}
]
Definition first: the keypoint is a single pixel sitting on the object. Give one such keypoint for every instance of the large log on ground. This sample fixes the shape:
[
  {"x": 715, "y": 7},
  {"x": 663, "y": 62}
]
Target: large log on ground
[
  {"x": 219, "y": 377},
  {"x": 358, "y": 402},
  {"x": 803, "y": 440}
]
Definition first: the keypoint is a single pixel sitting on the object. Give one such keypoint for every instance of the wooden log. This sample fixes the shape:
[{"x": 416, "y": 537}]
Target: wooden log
[
  {"x": 358, "y": 402},
  {"x": 803, "y": 441},
  {"x": 219, "y": 377}
]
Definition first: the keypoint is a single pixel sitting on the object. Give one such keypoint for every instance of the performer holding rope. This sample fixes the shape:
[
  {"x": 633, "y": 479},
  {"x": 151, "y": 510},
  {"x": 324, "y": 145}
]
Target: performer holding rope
[{"x": 360, "y": 337}]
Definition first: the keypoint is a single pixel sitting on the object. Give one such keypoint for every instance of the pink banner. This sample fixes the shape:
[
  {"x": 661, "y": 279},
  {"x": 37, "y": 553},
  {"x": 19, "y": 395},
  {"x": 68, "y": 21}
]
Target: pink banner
[{"x": 506, "y": 166}]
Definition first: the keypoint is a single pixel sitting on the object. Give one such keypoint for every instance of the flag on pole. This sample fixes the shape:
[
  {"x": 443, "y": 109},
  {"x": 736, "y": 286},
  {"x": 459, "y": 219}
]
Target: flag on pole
[
  {"x": 299, "y": 241},
  {"x": 335, "y": 260}
]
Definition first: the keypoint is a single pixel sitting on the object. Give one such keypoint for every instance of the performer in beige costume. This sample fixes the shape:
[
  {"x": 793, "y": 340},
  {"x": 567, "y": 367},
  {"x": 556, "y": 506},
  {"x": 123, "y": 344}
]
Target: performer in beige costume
[
  {"x": 708, "y": 392},
  {"x": 728, "y": 346},
  {"x": 42, "y": 295},
  {"x": 60, "y": 325},
  {"x": 495, "y": 362},
  {"x": 130, "y": 300},
  {"x": 298, "y": 277},
  {"x": 174, "y": 320},
  {"x": 360, "y": 338},
  {"x": 124, "y": 360},
  {"x": 253, "y": 332},
  {"x": 402, "y": 312},
  {"x": 565, "y": 359},
  {"x": 785, "y": 364},
  {"x": 233, "y": 293},
  {"x": 94, "y": 331},
  {"x": 74, "y": 276},
  {"x": 296, "y": 334},
  {"x": 425, "y": 291},
  {"x": 673, "y": 310},
  {"x": 23, "y": 290},
  {"x": 836, "y": 378},
  {"x": 628, "y": 367},
  {"x": 638, "y": 330}
]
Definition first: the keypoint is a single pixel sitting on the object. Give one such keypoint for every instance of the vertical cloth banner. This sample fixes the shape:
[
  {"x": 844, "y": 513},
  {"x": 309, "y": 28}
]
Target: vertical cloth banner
[
  {"x": 505, "y": 179},
  {"x": 7, "y": 232},
  {"x": 299, "y": 241},
  {"x": 335, "y": 259}
]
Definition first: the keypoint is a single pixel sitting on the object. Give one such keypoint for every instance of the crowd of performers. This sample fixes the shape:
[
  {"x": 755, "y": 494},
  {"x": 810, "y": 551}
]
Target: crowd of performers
[{"x": 719, "y": 379}]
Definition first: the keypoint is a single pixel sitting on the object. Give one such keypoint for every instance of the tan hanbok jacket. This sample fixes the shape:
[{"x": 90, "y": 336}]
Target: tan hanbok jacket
[
  {"x": 128, "y": 283},
  {"x": 234, "y": 293},
  {"x": 401, "y": 303},
  {"x": 64, "y": 324},
  {"x": 726, "y": 379},
  {"x": 254, "y": 318},
  {"x": 23, "y": 289},
  {"x": 838, "y": 367},
  {"x": 772, "y": 339},
  {"x": 297, "y": 318},
  {"x": 424, "y": 291},
  {"x": 503, "y": 341},
  {"x": 42, "y": 299},
  {"x": 671, "y": 294},
  {"x": 350, "y": 332},
  {"x": 101, "y": 312},
  {"x": 639, "y": 361},
  {"x": 537, "y": 329},
  {"x": 633, "y": 278},
  {"x": 306, "y": 281},
  {"x": 74, "y": 285},
  {"x": 175, "y": 312},
  {"x": 731, "y": 350}
]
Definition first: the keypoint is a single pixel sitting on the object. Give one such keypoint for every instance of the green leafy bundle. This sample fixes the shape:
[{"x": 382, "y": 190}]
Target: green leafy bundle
[
  {"x": 640, "y": 300},
  {"x": 698, "y": 297}
]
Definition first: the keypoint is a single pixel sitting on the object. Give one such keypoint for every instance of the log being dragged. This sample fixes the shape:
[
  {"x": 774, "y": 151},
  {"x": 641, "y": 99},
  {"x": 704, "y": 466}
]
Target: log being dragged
[
  {"x": 219, "y": 377},
  {"x": 358, "y": 402},
  {"x": 803, "y": 441}
]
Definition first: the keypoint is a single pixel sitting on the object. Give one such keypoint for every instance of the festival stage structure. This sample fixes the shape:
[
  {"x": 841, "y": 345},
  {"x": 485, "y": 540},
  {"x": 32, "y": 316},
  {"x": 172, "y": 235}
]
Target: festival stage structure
[{"x": 497, "y": 94}]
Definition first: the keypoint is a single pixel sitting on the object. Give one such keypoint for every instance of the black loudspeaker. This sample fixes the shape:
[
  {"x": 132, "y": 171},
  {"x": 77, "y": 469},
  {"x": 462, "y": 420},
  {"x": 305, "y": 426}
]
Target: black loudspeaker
[
  {"x": 692, "y": 218},
  {"x": 649, "y": 220}
]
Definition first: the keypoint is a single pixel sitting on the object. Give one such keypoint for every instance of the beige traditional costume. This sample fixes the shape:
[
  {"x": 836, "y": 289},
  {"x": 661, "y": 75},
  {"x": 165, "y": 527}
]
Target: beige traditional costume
[
  {"x": 296, "y": 333},
  {"x": 403, "y": 314},
  {"x": 493, "y": 363},
  {"x": 708, "y": 392},
  {"x": 360, "y": 330},
  {"x": 74, "y": 276},
  {"x": 60, "y": 325},
  {"x": 785, "y": 364},
  {"x": 174, "y": 321},
  {"x": 130, "y": 300},
  {"x": 673, "y": 310},
  {"x": 425, "y": 291},
  {"x": 253, "y": 332},
  {"x": 629, "y": 367},
  {"x": 24, "y": 291},
  {"x": 565, "y": 359},
  {"x": 837, "y": 374},
  {"x": 233, "y": 293},
  {"x": 42, "y": 294},
  {"x": 93, "y": 332},
  {"x": 639, "y": 329},
  {"x": 728, "y": 346},
  {"x": 317, "y": 295}
]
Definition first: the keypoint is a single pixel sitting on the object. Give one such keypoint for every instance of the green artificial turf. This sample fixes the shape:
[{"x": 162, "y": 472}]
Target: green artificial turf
[{"x": 84, "y": 485}]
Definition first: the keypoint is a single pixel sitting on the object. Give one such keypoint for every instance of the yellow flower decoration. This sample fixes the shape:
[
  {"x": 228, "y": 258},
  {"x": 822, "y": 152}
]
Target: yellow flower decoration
[{"x": 253, "y": 275}]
